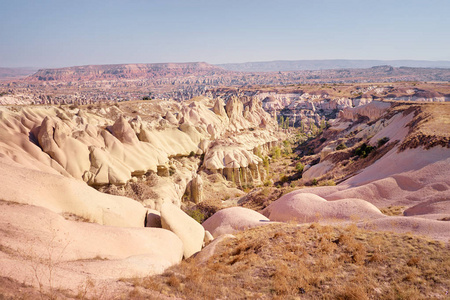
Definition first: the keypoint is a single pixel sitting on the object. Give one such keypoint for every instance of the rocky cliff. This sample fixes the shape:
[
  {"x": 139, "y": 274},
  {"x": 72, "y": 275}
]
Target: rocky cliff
[
  {"x": 126, "y": 71},
  {"x": 114, "y": 145}
]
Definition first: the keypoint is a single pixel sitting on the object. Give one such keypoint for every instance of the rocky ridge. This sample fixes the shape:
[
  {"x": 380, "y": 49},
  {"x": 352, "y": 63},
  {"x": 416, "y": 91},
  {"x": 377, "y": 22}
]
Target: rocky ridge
[
  {"x": 106, "y": 146},
  {"x": 173, "y": 147}
]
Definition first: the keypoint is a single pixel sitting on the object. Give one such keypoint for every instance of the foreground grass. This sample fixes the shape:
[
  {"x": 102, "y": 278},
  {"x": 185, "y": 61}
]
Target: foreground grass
[{"x": 287, "y": 261}]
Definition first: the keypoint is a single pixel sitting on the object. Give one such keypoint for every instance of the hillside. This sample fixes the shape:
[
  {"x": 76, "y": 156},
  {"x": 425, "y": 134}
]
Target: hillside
[
  {"x": 106, "y": 199},
  {"x": 13, "y": 73},
  {"x": 125, "y": 71},
  {"x": 302, "y": 65}
]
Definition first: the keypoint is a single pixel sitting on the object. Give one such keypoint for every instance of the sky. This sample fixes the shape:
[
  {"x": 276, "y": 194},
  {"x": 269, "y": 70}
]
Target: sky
[{"x": 60, "y": 33}]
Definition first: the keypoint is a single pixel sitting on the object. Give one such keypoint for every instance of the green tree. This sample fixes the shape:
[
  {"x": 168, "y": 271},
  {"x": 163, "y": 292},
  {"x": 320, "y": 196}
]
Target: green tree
[
  {"x": 323, "y": 125},
  {"x": 286, "y": 123},
  {"x": 313, "y": 128},
  {"x": 282, "y": 121},
  {"x": 276, "y": 152}
]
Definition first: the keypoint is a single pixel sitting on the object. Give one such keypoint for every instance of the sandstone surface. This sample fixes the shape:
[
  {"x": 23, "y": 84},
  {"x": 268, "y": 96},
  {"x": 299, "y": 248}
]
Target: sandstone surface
[
  {"x": 230, "y": 220},
  {"x": 44, "y": 248},
  {"x": 187, "y": 229},
  {"x": 307, "y": 207}
]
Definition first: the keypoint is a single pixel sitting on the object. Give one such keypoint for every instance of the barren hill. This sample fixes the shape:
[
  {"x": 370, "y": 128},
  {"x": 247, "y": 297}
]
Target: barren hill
[
  {"x": 126, "y": 71},
  {"x": 10, "y": 73},
  {"x": 299, "y": 65}
]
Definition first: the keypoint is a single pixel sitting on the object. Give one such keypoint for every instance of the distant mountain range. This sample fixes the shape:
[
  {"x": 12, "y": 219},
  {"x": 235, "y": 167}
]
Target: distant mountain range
[
  {"x": 201, "y": 73},
  {"x": 127, "y": 71},
  {"x": 9, "y": 73},
  {"x": 328, "y": 64}
]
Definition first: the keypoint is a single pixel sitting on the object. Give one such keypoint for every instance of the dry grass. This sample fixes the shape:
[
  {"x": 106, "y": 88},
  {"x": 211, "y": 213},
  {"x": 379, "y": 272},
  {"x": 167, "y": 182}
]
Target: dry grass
[
  {"x": 430, "y": 126},
  {"x": 260, "y": 199},
  {"x": 286, "y": 261},
  {"x": 394, "y": 210}
]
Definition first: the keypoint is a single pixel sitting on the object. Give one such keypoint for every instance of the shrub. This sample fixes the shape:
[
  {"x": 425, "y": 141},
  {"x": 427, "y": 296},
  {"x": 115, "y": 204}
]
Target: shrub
[
  {"x": 287, "y": 147},
  {"x": 197, "y": 215},
  {"x": 314, "y": 181},
  {"x": 299, "y": 167},
  {"x": 276, "y": 152},
  {"x": 341, "y": 146},
  {"x": 383, "y": 141},
  {"x": 266, "y": 161},
  {"x": 329, "y": 182},
  {"x": 364, "y": 150},
  {"x": 258, "y": 152}
]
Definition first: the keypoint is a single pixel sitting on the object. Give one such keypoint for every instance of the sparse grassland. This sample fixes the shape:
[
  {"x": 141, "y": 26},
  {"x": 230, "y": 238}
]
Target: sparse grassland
[{"x": 286, "y": 261}]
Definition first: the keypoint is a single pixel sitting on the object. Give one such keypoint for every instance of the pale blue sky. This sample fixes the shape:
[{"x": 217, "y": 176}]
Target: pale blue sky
[{"x": 58, "y": 33}]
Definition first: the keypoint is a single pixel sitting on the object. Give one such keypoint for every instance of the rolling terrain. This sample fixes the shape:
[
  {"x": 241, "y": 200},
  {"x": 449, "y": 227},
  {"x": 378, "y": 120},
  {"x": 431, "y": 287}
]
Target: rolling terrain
[
  {"x": 113, "y": 190},
  {"x": 147, "y": 170},
  {"x": 181, "y": 82}
]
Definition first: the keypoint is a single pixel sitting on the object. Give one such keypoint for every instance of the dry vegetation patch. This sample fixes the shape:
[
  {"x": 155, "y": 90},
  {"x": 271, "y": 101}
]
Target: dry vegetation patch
[
  {"x": 430, "y": 126},
  {"x": 287, "y": 261},
  {"x": 393, "y": 210}
]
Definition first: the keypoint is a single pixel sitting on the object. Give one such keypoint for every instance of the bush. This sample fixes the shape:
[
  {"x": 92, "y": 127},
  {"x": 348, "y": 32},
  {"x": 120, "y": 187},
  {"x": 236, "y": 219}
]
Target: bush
[
  {"x": 341, "y": 146},
  {"x": 364, "y": 150},
  {"x": 284, "y": 178},
  {"x": 266, "y": 161},
  {"x": 383, "y": 141},
  {"x": 299, "y": 167},
  {"x": 329, "y": 182},
  {"x": 287, "y": 147},
  {"x": 276, "y": 152},
  {"x": 197, "y": 215},
  {"x": 314, "y": 181},
  {"x": 258, "y": 152}
]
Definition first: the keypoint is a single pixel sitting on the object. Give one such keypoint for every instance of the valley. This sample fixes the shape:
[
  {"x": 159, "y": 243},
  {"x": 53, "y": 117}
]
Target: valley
[{"x": 191, "y": 181}]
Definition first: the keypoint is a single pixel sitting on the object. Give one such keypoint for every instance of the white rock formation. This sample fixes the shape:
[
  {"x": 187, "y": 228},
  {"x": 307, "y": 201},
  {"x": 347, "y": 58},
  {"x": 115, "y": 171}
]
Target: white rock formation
[
  {"x": 233, "y": 219},
  {"x": 306, "y": 207},
  {"x": 187, "y": 229}
]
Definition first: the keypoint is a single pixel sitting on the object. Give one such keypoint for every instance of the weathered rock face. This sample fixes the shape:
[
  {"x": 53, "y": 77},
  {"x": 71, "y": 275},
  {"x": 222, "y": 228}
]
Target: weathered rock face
[
  {"x": 236, "y": 164},
  {"x": 317, "y": 170},
  {"x": 235, "y": 110},
  {"x": 153, "y": 219},
  {"x": 80, "y": 250},
  {"x": 219, "y": 108},
  {"x": 372, "y": 110},
  {"x": 120, "y": 71},
  {"x": 106, "y": 145},
  {"x": 233, "y": 219},
  {"x": 123, "y": 132},
  {"x": 196, "y": 189},
  {"x": 187, "y": 229},
  {"x": 306, "y": 207},
  {"x": 65, "y": 195}
]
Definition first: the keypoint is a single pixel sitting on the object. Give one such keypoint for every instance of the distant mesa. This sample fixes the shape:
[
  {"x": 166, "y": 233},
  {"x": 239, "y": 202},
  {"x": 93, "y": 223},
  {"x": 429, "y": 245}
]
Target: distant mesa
[
  {"x": 328, "y": 64},
  {"x": 126, "y": 71}
]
